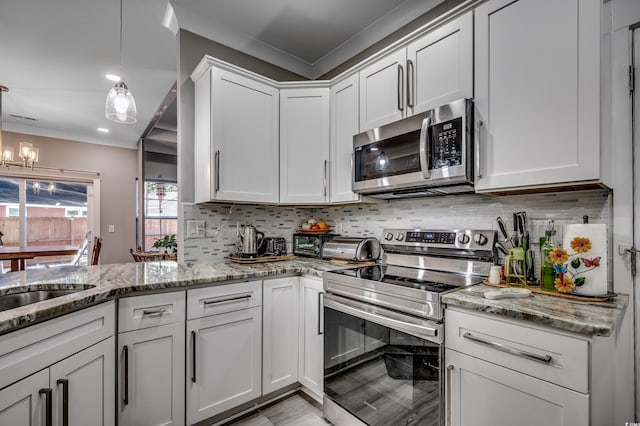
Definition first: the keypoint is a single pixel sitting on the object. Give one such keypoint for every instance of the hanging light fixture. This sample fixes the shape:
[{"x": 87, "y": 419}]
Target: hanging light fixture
[
  {"x": 120, "y": 106},
  {"x": 28, "y": 152}
]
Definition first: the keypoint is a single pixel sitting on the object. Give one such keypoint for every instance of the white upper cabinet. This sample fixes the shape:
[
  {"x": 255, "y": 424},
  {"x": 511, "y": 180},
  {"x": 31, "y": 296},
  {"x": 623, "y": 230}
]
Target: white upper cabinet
[
  {"x": 433, "y": 70},
  {"x": 440, "y": 66},
  {"x": 304, "y": 146},
  {"x": 382, "y": 91},
  {"x": 236, "y": 136},
  {"x": 537, "y": 93},
  {"x": 344, "y": 125}
]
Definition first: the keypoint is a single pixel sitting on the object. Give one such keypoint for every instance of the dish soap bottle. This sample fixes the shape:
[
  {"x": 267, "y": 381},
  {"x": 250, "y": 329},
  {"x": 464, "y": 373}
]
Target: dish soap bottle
[{"x": 547, "y": 274}]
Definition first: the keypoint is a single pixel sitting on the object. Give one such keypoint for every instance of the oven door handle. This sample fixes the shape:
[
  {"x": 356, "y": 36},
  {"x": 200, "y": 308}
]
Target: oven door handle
[
  {"x": 397, "y": 321},
  {"x": 424, "y": 148}
]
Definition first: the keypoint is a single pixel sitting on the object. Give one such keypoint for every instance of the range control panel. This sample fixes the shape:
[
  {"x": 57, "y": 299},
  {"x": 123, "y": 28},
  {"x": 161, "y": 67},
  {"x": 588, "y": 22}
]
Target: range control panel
[{"x": 454, "y": 239}]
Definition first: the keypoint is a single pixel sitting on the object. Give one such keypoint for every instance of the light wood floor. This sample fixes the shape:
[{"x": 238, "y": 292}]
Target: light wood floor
[{"x": 294, "y": 410}]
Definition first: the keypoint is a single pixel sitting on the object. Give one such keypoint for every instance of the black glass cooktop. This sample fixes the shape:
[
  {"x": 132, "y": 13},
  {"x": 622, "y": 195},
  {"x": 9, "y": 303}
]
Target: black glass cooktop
[{"x": 432, "y": 281}]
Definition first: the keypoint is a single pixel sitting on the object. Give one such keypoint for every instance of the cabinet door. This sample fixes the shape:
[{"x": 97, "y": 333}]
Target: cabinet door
[
  {"x": 382, "y": 91},
  {"x": 21, "y": 404},
  {"x": 280, "y": 332},
  {"x": 440, "y": 66},
  {"x": 304, "y": 145},
  {"x": 223, "y": 362},
  {"x": 483, "y": 393},
  {"x": 244, "y": 128},
  {"x": 537, "y": 87},
  {"x": 88, "y": 377},
  {"x": 311, "y": 336},
  {"x": 344, "y": 125},
  {"x": 151, "y": 376}
]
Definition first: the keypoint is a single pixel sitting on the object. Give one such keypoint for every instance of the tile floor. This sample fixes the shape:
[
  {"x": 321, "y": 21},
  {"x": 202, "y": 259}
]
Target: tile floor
[{"x": 297, "y": 409}]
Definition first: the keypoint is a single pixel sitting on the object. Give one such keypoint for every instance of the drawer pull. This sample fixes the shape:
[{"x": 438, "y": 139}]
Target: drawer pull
[
  {"x": 545, "y": 359},
  {"x": 151, "y": 312},
  {"x": 48, "y": 407},
  {"x": 226, "y": 300},
  {"x": 65, "y": 400}
]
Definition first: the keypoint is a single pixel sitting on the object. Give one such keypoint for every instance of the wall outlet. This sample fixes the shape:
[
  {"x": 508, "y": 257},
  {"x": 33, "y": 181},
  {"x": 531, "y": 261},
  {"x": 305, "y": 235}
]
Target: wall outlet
[
  {"x": 195, "y": 229},
  {"x": 112, "y": 228}
]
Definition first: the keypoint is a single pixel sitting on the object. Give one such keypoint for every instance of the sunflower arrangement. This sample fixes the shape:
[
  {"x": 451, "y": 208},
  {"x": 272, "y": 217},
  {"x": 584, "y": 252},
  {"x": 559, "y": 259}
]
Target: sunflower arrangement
[{"x": 567, "y": 280}]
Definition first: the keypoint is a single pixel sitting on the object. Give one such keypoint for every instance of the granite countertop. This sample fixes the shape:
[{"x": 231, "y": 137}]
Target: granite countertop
[
  {"x": 589, "y": 318},
  {"x": 114, "y": 280},
  {"x": 104, "y": 282}
]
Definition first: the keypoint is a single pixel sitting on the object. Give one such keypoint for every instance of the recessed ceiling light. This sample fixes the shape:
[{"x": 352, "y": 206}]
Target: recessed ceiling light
[
  {"x": 103, "y": 130},
  {"x": 112, "y": 77}
]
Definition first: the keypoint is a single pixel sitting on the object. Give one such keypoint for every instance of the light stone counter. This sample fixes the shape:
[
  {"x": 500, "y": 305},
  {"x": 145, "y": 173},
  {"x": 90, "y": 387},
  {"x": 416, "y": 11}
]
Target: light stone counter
[
  {"x": 126, "y": 279},
  {"x": 589, "y": 318}
]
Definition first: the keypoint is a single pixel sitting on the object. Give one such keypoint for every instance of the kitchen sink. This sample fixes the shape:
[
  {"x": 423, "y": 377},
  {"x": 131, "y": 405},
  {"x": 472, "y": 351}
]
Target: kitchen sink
[{"x": 16, "y": 300}]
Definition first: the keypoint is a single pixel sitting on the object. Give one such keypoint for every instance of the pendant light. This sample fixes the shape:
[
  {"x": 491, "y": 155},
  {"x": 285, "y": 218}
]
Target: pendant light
[
  {"x": 120, "y": 106},
  {"x": 28, "y": 153}
]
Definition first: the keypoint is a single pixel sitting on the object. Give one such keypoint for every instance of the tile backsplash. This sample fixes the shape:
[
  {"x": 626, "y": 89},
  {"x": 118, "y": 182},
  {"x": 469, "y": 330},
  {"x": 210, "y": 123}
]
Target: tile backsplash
[{"x": 459, "y": 211}]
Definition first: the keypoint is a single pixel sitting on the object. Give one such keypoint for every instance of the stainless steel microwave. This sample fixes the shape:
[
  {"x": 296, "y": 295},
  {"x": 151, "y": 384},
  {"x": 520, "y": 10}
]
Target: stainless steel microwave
[{"x": 430, "y": 153}]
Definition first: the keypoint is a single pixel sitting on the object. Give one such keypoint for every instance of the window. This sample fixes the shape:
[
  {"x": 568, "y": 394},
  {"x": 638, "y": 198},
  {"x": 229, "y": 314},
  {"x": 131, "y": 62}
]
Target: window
[
  {"x": 160, "y": 211},
  {"x": 55, "y": 215}
]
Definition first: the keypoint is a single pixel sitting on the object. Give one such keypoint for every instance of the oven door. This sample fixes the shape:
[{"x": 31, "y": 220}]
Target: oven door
[{"x": 380, "y": 366}]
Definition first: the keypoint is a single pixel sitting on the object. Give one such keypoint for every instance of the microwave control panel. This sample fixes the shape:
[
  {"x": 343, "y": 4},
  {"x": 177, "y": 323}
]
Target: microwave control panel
[{"x": 446, "y": 144}]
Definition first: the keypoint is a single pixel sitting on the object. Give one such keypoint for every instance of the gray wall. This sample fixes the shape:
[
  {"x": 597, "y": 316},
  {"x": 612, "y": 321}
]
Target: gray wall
[{"x": 117, "y": 201}]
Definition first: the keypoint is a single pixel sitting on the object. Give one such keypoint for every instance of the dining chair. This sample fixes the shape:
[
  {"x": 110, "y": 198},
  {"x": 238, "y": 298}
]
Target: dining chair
[{"x": 97, "y": 246}]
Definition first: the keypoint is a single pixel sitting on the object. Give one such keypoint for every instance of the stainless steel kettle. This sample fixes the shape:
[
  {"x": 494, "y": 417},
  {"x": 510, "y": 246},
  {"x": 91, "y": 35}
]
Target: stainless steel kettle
[{"x": 250, "y": 239}]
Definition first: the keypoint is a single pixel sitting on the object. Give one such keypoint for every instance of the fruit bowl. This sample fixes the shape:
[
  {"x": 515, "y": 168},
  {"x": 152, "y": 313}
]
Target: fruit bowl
[{"x": 314, "y": 231}]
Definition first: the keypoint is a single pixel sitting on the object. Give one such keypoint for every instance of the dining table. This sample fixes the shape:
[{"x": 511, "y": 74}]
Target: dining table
[{"x": 18, "y": 255}]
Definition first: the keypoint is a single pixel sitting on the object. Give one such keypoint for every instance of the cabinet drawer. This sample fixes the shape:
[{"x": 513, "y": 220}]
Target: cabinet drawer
[
  {"x": 135, "y": 313},
  {"x": 223, "y": 298},
  {"x": 553, "y": 357}
]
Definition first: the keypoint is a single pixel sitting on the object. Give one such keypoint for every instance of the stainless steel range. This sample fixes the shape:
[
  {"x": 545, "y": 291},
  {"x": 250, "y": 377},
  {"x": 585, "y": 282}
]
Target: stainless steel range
[{"x": 384, "y": 326}]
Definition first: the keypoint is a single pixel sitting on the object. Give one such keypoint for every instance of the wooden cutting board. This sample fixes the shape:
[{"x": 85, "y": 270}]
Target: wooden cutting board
[{"x": 264, "y": 259}]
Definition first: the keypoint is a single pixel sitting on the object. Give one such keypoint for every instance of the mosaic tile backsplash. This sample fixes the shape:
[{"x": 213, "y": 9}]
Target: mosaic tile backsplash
[{"x": 459, "y": 211}]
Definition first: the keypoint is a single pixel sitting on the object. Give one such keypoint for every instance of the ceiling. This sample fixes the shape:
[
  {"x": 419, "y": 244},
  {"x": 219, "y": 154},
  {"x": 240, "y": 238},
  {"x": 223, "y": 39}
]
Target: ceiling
[{"x": 54, "y": 55}]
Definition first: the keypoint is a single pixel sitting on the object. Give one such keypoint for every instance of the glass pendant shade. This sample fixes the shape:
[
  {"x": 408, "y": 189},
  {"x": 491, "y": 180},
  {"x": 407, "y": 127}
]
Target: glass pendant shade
[{"x": 120, "y": 106}]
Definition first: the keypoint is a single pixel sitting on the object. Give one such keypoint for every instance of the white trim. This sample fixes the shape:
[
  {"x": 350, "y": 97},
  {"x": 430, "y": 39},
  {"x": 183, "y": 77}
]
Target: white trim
[
  {"x": 49, "y": 173},
  {"x": 93, "y": 209}
]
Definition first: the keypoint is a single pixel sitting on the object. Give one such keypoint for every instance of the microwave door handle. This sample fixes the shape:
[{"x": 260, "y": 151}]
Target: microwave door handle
[{"x": 424, "y": 148}]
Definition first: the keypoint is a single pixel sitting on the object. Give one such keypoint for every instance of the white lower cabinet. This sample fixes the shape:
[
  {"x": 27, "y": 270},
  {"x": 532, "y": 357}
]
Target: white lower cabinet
[
  {"x": 76, "y": 391},
  {"x": 151, "y": 375},
  {"x": 502, "y": 371},
  {"x": 21, "y": 404},
  {"x": 484, "y": 393},
  {"x": 224, "y": 351},
  {"x": 280, "y": 333},
  {"x": 311, "y": 336}
]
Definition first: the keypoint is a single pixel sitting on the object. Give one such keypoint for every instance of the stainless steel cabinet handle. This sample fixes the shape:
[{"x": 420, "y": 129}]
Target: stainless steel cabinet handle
[
  {"x": 425, "y": 148},
  {"x": 65, "y": 400},
  {"x": 193, "y": 356},
  {"x": 450, "y": 368},
  {"x": 151, "y": 312},
  {"x": 545, "y": 359},
  {"x": 324, "y": 182},
  {"x": 400, "y": 87},
  {"x": 226, "y": 300},
  {"x": 410, "y": 83},
  {"x": 320, "y": 319},
  {"x": 217, "y": 165},
  {"x": 48, "y": 408},
  {"x": 478, "y": 164},
  {"x": 125, "y": 354}
]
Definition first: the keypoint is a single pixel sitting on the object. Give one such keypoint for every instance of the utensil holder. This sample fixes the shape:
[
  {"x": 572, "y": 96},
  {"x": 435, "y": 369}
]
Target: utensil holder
[{"x": 515, "y": 269}]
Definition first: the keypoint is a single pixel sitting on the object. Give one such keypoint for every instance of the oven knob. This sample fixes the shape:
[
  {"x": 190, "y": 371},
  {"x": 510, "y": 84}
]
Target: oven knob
[
  {"x": 464, "y": 239},
  {"x": 400, "y": 236},
  {"x": 480, "y": 239},
  {"x": 388, "y": 236}
]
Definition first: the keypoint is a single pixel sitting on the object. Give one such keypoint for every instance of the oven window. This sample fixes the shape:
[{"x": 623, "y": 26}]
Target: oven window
[
  {"x": 381, "y": 375},
  {"x": 390, "y": 157}
]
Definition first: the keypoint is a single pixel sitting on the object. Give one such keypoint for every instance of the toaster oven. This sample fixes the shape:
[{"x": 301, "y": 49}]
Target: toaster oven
[{"x": 310, "y": 245}]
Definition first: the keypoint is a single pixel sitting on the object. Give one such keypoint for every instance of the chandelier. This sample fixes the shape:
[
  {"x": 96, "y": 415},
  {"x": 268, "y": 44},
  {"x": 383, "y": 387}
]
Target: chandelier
[{"x": 28, "y": 153}]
